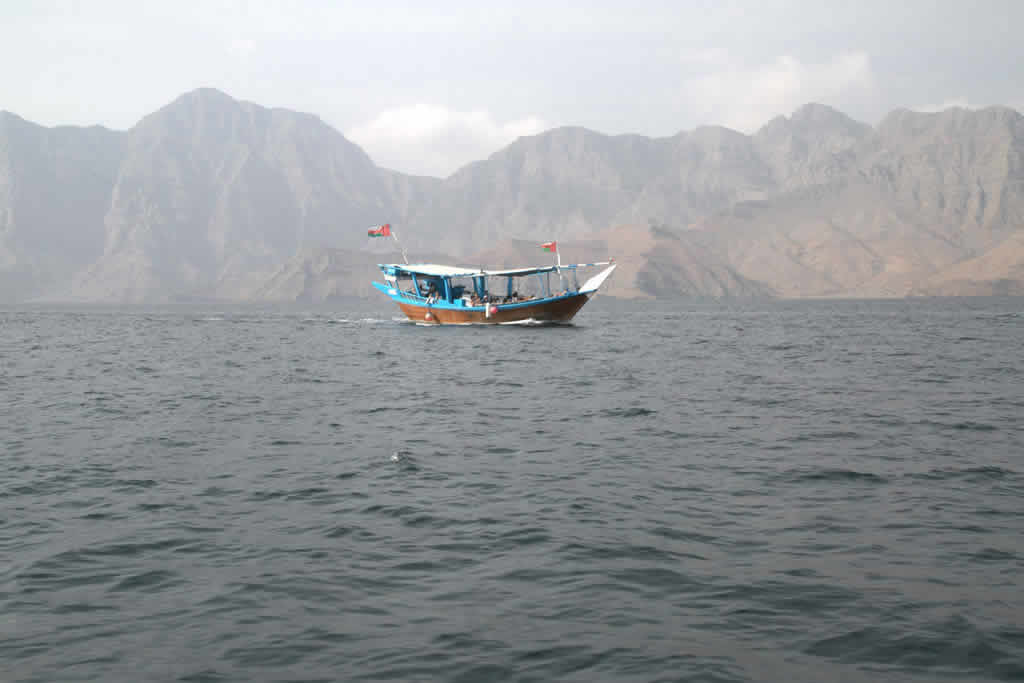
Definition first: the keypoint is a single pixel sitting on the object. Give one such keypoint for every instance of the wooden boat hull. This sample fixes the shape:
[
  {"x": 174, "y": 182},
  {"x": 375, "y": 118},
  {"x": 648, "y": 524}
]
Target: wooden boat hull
[{"x": 558, "y": 310}]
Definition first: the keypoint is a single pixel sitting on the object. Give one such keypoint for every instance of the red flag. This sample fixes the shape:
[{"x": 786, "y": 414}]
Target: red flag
[
  {"x": 549, "y": 246},
  {"x": 380, "y": 231}
]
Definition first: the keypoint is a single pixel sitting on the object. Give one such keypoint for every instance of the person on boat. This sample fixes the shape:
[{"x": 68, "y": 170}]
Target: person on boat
[{"x": 431, "y": 292}]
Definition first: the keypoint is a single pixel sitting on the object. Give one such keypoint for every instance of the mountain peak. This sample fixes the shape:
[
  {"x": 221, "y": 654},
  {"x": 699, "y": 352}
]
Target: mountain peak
[
  {"x": 815, "y": 111},
  {"x": 206, "y": 94},
  {"x": 563, "y": 132},
  {"x": 816, "y": 117},
  {"x": 911, "y": 123},
  {"x": 567, "y": 137},
  {"x": 715, "y": 133},
  {"x": 194, "y": 105},
  {"x": 13, "y": 119},
  {"x": 210, "y": 195}
]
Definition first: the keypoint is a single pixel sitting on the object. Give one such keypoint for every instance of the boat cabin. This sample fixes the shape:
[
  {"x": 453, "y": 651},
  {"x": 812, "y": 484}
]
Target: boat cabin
[{"x": 431, "y": 283}]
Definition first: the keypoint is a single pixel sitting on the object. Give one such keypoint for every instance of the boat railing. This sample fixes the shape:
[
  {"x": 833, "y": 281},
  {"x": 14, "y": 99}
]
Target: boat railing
[{"x": 493, "y": 299}]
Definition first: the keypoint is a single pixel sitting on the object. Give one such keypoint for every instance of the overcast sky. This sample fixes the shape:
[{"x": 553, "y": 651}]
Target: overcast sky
[{"x": 427, "y": 87}]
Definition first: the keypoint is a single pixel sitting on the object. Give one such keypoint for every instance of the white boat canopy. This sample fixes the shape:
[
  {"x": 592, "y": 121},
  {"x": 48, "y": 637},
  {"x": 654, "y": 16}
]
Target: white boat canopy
[
  {"x": 435, "y": 270},
  {"x": 430, "y": 269}
]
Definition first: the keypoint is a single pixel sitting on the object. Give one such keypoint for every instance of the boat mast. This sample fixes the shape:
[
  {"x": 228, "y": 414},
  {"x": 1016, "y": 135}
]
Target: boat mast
[
  {"x": 558, "y": 268},
  {"x": 400, "y": 247}
]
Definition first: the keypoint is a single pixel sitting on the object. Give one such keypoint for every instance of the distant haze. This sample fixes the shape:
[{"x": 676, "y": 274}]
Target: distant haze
[{"x": 426, "y": 88}]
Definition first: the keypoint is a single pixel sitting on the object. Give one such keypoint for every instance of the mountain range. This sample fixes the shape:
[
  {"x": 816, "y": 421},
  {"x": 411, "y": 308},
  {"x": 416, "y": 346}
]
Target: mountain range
[{"x": 214, "y": 198}]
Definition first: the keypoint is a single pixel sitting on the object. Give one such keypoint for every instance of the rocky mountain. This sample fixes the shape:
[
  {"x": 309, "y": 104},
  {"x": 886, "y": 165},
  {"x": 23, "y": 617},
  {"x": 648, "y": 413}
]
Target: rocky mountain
[
  {"x": 960, "y": 170},
  {"x": 921, "y": 199},
  {"x": 212, "y": 197},
  {"x": 811, "y": 147},
  {"x": 207, "y": 196},
  {"x": 54, "y": 190},
  {"x": 569, "y": 182},
  {"x": 998, "y": 271},
  {"x": 324, "y": 274},
  {"x": 652, "y": 261}
]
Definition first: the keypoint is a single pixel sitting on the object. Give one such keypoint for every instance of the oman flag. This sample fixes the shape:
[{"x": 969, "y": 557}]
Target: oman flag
[
  {"x": 380, "y": 231},
  {"x": 549, "y": 246}
]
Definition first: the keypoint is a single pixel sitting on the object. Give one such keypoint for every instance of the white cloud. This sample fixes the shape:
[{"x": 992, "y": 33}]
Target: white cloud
[
  {"x": 744, "y": 97},
  {"x": 431, "y": 140},
  {"x": 241, "y": 48}
]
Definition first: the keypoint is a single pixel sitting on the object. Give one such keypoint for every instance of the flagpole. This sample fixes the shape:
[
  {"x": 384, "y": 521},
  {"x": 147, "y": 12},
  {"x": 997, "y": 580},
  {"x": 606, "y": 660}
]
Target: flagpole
[{"x": 400, "y": 247}]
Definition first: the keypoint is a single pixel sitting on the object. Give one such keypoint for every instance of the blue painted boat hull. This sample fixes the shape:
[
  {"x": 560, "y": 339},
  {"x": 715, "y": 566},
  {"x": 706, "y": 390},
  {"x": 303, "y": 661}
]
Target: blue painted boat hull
[{"x": 558, "y": 309}]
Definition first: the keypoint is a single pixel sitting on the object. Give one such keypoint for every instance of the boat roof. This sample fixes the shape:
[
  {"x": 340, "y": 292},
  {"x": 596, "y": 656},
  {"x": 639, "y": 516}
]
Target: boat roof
[
  {"x": 430, "y": 269},
  {"x": 437, "y": 270}
]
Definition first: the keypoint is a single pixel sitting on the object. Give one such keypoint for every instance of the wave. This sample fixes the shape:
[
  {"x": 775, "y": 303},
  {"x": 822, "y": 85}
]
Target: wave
[
  {"x": 977, "y": 473},
  {"x": 954, "y": 644},
  {"x": 836, "y": 474}
]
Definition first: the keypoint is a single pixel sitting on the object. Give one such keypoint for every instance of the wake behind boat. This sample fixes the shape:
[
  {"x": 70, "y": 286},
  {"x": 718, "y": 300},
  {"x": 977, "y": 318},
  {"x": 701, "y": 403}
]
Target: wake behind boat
[{"x": 452, "y": 295}]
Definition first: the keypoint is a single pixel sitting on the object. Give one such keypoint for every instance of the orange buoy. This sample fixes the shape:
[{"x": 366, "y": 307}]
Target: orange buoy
[
  {"x": 428, "y": 316},
  {"x": 494, "y": 309}
]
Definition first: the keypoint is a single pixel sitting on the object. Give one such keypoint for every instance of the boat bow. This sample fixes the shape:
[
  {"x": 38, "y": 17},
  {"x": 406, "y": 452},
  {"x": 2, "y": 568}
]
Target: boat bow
[{"x": 591, "y": 285}]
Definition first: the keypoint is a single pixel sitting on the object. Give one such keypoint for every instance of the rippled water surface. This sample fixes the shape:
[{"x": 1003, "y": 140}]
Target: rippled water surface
[{"x": 823, "y": 491}]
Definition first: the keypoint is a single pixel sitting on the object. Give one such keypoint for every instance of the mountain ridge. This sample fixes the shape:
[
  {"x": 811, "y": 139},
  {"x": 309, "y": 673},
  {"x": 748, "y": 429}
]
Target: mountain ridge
[{"x": 212, "y": 196}]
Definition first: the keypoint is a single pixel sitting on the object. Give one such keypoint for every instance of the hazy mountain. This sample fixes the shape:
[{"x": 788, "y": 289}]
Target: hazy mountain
[
  {"x": 320, "y": 274},
  {"x": 565, "y": 182},
  {"x": 212, "y": 197},
  {"x": 568, "y": 182},
  {"x": 54, "y": 192},
  {"x": 997, "y": 271},
  {"x": 212, "y": 193},
  {"x": 917, "y": 197},
  {"x": 652, "y": 261},
  {"x": 811, "y": 147},
  {"x": 960, "y": 170}
]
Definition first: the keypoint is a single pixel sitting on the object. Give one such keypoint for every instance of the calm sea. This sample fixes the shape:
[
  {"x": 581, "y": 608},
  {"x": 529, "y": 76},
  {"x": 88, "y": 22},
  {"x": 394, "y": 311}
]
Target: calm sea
[{"x": 806, "y": 491}]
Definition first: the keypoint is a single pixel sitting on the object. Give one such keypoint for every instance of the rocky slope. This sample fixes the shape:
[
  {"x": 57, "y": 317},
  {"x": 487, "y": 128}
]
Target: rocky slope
[
  {"x": 212, "y": 197},
  {"x": 211, "y": 194},
  {"x": 652, "y": 261},
  {"x": 922, "y": 201},
  {"x": 54, "y": 193}
]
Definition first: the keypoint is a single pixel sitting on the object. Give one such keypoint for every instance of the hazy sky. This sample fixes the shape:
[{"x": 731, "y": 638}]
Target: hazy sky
[{"x": 426, "y": 87}]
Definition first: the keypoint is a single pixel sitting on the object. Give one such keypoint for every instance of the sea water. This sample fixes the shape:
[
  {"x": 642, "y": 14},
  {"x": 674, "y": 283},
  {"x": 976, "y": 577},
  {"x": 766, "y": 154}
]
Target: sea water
[{"x": 798, "y": 491}]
